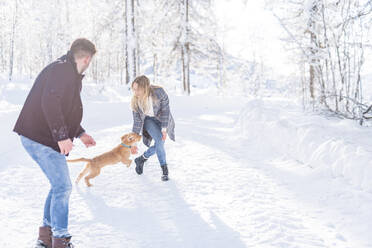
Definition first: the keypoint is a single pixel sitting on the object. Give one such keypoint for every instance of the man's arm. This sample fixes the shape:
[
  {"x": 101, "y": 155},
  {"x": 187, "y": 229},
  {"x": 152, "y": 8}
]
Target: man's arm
[
  {"x": 56, "y": 86},
  {"x": 80, "y": 132},
  {"x": 52, "y": 101}
]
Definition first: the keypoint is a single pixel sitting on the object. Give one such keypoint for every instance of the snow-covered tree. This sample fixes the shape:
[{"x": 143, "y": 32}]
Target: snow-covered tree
[
  {"x": 330, "y": 38},
  {"x": 175, "y": 42}
]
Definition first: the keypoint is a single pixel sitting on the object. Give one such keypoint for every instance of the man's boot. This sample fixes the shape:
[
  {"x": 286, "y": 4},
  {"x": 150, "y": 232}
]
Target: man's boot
[
  {"x": 45, "y": 237},
  {"x": 140, "y": 161},
  {"x": 164, "y": 177},
  {"x": 62, "y": 243}
]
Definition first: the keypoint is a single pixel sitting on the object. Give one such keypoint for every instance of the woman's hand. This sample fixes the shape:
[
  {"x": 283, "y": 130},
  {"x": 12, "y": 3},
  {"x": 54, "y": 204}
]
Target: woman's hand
[
  {"x": 164, "y": 135},
  {"x": 134, "y": 150}
]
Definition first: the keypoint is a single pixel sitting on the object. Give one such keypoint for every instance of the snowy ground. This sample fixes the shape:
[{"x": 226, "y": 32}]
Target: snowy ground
[{"x": 244, "y": 173}]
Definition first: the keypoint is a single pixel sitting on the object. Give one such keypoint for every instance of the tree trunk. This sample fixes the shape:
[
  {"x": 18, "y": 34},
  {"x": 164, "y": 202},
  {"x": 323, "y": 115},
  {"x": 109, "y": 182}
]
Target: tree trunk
[
  {"x": 2, "y": 51},
  {"x": 185, "y": 50},
  {"x": 155, "y": 67},
  {"x": 313, "y": 39},
  {"x": 220, "y": 69},
  {"x": 11, "y": 59},
  {"x": 130, "y": 42}
]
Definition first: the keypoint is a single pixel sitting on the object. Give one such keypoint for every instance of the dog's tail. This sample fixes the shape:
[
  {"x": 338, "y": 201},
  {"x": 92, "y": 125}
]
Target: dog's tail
[{"x": 79, "y": 160}]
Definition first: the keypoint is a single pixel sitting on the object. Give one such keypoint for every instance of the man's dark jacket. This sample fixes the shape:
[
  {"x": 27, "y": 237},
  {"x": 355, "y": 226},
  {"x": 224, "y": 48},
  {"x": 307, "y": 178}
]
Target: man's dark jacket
[{"x": 53, "y": 109}]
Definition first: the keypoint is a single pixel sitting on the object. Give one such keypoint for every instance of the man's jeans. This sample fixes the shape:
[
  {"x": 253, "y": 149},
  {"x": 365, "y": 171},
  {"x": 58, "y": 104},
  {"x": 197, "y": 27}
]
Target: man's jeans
[
  {"x": 153, "y": 127},
  {"x": 54, "y": 166}
]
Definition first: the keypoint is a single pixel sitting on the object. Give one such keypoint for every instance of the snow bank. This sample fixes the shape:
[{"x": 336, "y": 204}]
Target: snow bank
[{"x": 340, "y": 146}]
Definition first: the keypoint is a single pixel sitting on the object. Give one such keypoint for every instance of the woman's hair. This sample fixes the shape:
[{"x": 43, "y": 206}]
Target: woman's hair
[{"x": 144, "y": 83}]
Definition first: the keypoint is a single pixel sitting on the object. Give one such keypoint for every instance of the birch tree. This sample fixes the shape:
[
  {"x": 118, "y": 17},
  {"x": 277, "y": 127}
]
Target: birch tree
[
  {"x": 130, "y": 42},
  {"x": 12, "y": 39}
]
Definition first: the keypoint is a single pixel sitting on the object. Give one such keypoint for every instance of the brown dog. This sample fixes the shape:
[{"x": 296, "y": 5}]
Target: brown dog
[{"x": 120, "y": 153}]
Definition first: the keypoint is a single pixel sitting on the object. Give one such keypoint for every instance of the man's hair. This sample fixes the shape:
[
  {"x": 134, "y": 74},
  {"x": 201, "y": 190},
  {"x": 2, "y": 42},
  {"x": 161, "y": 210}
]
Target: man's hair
[{"x": 82, "y": 47}]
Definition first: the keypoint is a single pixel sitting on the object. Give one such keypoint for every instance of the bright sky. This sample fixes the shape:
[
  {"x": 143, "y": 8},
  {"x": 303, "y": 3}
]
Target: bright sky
[{"x": 253, "y": 32}]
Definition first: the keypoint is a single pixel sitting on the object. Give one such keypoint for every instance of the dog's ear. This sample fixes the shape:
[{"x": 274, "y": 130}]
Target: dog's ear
[
  {"x": 134, "y": 136},
  {"x": 124, "y": 138}
]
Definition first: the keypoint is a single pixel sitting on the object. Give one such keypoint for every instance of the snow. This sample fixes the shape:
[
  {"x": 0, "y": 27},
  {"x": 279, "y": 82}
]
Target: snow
[
  {"x": 329, "y": 144},
  {"x": 244, "y": 172}
]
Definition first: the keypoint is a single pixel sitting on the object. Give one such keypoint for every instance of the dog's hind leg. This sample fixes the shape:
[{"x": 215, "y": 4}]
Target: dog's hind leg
[
  {"x": 83, "y": 173},
  {"x": 93, "y": 173}
]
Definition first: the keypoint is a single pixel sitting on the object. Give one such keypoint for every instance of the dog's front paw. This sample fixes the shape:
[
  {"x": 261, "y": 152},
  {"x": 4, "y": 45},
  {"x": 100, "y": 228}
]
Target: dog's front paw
[
  {"x": 128, "y": 163},
  {"x": 88, "y": 183}
]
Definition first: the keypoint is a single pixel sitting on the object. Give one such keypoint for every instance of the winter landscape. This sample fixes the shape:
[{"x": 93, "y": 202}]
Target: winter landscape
[{"x": 270, "y": 99}]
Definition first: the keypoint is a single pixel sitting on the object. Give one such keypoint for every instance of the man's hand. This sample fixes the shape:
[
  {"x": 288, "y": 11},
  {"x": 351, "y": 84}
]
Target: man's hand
[
  {"x": 134, "y": 150},
  {"x": 65, "y": 146},
  {"x": 87, "y": 140},
  {"x": 164, "y": 135}
]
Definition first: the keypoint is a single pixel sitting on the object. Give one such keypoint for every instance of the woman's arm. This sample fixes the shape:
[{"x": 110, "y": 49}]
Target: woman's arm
[
  {"x": 164, "y": 109},
  {"x": 137, "y": 122}
]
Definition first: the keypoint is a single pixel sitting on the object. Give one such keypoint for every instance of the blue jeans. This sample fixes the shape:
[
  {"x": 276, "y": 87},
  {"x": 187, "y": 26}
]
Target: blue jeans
[
  {"x": 54, "y": 166},
  {"x": 153, "y": 127}
]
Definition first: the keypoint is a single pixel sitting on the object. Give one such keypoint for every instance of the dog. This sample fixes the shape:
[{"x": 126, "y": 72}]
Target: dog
[{"x": 120, "y": 153}]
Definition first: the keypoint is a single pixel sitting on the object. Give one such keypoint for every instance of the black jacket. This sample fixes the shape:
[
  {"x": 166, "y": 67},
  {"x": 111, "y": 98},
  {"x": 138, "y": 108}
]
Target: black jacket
[{"x": 53, "y": 109}]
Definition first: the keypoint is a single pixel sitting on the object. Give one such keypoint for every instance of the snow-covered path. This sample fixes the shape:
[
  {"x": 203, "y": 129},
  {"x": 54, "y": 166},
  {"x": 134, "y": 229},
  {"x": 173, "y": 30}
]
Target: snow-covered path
[{"x": 223, "y": 192}]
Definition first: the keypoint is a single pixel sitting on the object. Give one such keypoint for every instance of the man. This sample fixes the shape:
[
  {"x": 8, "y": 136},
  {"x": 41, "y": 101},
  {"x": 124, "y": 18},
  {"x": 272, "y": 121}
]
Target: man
[{"x": 49, "y": 121}]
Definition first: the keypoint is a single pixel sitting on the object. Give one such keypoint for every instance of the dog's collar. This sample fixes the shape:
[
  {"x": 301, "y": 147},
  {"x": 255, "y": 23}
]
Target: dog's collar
[{"x": 125, "y": 145}]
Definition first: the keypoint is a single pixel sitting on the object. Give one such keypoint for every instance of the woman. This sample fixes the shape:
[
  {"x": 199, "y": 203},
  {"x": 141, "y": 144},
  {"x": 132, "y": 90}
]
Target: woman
[{"x": 151, "y": 115}]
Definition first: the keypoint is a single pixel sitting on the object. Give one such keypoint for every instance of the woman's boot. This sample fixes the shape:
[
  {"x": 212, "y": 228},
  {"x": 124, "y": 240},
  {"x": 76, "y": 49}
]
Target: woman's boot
[
  {"x": 164, "y": 177},
  {"x": 140, "y": 161}
]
